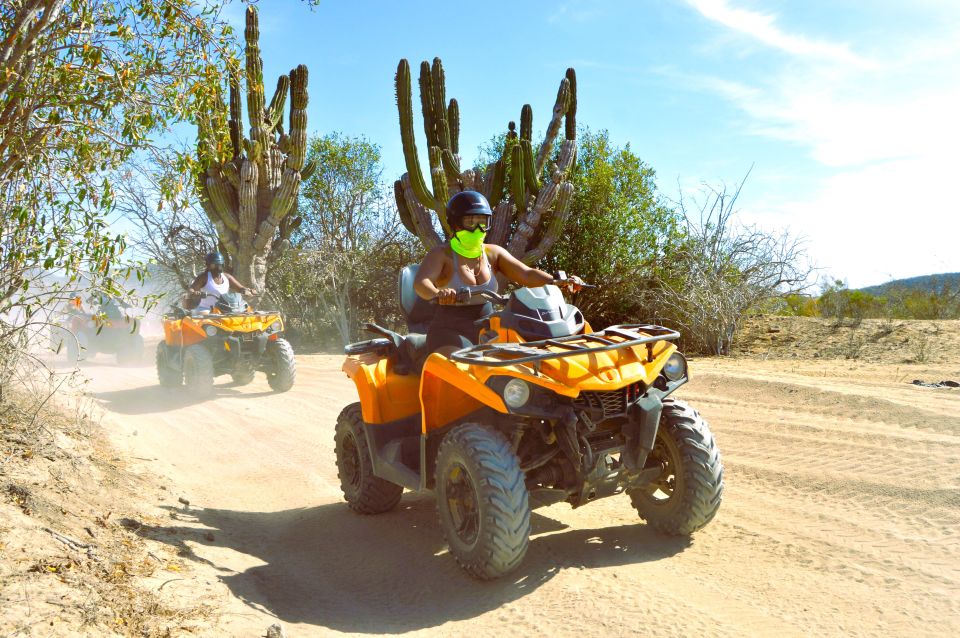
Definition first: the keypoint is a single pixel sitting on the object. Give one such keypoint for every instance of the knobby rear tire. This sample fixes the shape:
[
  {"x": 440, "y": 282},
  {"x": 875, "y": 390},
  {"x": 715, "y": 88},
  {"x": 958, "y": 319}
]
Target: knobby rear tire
[
  {"x": 169, "y": 377},
  {"x": 364, "y": 492}
]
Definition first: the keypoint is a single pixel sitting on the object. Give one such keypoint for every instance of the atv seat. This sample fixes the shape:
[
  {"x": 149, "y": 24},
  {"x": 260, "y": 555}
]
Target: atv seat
[
  {"x": 411, "y": 349},
  {"x": 417, "y": 311}
]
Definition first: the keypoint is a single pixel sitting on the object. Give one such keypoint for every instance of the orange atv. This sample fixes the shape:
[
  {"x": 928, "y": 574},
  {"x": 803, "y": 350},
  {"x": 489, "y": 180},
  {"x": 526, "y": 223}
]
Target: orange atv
[
  {"x": 543, "y": 410},
  {"x": 109, "y": 328},
  {"x": 229, "y": 339}
]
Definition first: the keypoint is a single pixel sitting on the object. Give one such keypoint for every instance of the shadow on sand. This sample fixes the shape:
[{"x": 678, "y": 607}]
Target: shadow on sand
[
  {"x": 152, "y": 399},
  {"x": 329, "y": 567}
]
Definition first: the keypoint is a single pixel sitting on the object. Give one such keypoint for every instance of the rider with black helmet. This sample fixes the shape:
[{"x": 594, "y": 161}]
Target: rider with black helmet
[
  {"x": 215, "y": 282},
  {"x": 465, "y": 260}
]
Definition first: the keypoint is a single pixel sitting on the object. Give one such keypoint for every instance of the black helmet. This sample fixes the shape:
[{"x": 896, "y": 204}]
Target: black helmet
[
  {"x": 215, "y": 258},
  {"x": 466, "y": 203}
]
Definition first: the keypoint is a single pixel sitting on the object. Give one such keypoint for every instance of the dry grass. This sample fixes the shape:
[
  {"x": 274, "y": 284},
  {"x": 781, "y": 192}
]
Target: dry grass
[
  {"x": 871, "y": 340},
  {"x": 67, "y": 564}
]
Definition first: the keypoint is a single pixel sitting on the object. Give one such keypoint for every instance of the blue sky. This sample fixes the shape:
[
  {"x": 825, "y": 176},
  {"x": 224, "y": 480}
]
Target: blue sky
[{"x": 847, "y": 110}]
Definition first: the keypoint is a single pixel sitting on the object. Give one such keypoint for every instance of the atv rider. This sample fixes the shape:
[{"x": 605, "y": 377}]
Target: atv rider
[
  {"x": 466, "y": 261},
  {"x": 215, "y": 283}
]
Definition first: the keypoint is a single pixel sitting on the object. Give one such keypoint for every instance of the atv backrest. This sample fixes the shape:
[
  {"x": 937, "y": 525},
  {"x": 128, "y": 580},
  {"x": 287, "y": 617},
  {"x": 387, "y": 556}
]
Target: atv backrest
[{"x": 417, "y": 311}]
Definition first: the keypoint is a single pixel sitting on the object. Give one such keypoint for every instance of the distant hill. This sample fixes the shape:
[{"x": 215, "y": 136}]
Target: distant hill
[{"x": 932, "y": 283}]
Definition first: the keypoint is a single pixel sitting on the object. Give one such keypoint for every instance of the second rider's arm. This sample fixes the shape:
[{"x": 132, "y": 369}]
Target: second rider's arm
[
  {"x": 236, "y": 286},
  {"x": 428, "y": 274},
  {"x": 517, "y": 271}
]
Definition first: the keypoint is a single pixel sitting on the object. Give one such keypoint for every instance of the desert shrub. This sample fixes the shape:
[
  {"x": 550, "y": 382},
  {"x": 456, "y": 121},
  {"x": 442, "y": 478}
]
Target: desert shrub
[
  {"x": 342, "y": 268},
  {"x": 620, "y": 232},
  {"x": 719, "y": 270}
]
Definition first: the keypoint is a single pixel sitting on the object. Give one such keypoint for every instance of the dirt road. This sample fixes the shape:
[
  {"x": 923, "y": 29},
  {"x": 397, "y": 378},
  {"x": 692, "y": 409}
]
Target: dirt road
[{"x": 841, "y": 516}]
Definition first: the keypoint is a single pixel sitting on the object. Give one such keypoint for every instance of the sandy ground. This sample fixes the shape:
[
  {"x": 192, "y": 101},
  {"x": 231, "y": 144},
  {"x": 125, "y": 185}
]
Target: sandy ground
[{"x": 841, "y": 515}]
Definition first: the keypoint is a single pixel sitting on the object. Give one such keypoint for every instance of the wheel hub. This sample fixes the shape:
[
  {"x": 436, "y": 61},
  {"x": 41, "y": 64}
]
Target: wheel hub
[
  {"x": 351, "y": 462},
  {"x": 462, "y": 503}
]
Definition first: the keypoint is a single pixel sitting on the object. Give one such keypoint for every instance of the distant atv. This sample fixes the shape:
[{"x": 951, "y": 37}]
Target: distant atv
[
  {"x": 229, "y": 339},
  {"x": 110, "y": 330}
]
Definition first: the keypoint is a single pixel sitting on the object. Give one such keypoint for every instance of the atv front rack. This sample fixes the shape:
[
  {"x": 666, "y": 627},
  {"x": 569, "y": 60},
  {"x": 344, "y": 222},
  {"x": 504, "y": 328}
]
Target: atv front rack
[{"x": 499, "y": 355}]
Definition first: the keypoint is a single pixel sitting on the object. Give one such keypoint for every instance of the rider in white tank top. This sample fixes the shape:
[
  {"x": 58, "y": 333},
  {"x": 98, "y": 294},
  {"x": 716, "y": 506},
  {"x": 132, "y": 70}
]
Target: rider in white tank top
[{"x": 215, "y": 290}]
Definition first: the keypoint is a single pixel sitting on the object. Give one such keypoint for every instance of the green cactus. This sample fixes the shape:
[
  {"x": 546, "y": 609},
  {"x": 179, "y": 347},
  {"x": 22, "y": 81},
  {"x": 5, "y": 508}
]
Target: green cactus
[
  {"x": 250, "y": 194},
  {"x": 532, "y": 197},
  {"x": 526, "y": 122}
]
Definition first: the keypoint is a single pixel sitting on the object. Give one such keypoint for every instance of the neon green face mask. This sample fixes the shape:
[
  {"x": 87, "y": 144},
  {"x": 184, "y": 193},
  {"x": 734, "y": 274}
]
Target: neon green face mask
[{"x": 468, "y": 243}]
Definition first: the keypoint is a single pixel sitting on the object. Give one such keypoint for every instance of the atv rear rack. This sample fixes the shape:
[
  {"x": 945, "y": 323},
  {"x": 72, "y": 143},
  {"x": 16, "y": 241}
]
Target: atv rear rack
[{"x": 499, "y": 355}]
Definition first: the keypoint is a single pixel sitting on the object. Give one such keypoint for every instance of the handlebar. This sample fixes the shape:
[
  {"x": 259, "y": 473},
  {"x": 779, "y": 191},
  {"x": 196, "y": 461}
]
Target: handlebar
[{"x": 466, "y": 293}]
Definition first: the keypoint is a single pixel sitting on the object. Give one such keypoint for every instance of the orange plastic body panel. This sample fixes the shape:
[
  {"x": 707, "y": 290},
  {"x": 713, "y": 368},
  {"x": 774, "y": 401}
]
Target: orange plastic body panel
[
  {"x": 385, "y": 396},
  {"x": 450, "y": 391},
  {"x": 189, "y": 330},
  {"x": 447, "y": 390}
]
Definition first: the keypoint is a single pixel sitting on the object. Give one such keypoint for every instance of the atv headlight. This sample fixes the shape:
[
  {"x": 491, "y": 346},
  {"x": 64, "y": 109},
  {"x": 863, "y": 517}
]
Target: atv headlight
[
  {"x": 273, "y": 327},
  {"x": 516, "y": 393},
  {"x": 211, "y": 331},
  {"x": 676, "y": 367}
]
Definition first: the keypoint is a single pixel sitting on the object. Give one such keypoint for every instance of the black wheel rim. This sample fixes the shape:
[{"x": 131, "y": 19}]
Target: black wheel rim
[
  {"x": 461, "y": 496},
  {"x": 662, "y": 491},
  {"x": 351, "y": 462}
]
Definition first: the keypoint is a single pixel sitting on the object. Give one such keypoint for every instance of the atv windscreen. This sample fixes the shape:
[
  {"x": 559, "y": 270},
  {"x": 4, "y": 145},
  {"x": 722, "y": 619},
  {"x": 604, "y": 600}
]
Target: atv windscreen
[
  {"x": 231, "y": 303},
  {"x": 541, "y": 313}
]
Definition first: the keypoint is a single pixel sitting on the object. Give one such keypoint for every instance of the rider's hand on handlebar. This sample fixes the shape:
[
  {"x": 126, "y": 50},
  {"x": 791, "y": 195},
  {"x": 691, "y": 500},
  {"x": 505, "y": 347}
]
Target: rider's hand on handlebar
[
  {"x": 571, "y": 283},
  {"x": 446, "y": 296}
]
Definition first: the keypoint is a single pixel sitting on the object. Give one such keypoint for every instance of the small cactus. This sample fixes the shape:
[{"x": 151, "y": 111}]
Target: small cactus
[
  {"x": 249, "y": 186},
  {"x": 523, "y": 197}
]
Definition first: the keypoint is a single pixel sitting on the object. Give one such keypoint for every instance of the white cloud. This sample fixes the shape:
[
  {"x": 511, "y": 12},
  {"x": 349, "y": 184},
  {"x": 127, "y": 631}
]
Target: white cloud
[
  {"x": 887, "y": 133},
  {"x": 763, "y": 27}
]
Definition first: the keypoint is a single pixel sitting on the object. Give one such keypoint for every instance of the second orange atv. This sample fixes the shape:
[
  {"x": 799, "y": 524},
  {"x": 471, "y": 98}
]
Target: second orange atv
[
  {"x": 543, "y": 410},
  {"x": 230, "y": 339}
]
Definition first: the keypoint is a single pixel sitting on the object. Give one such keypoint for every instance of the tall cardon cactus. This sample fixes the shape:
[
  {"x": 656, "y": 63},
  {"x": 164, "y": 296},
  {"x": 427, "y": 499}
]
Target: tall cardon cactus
[
  {"x": 531, "y": 199},
  {"x": 249, "y": 185}
]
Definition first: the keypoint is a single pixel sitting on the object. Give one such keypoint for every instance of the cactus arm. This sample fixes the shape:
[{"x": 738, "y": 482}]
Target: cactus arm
[
  {"x": 503, "y": 215},
  {"x": 405, "y": 109},
  {"x": 440, "y": 190},
  {"x": 402, "y": 209},
  {"x": 451, "y": 167},
  {"x": 517, "y": 184},
  {"x": 276, "y": 167},
  {"x": 222, "y": 199},
  {"x": 236, "y": 133},
  {"x": 571, "y": 119},
  {"x": 232, "y": 174},
  {"x": 468, "y": 179},
  {"x": 274, "y": 115},
  {"x": 426, "y": 104},
  {"x": 420, "y": 215},
  {"x": 297, "y": 136},
  {"x": 248, "y": 203},
  {"x": 529, "y": 171},
  {"x": 526, "y": 122},
  {"x": 308, "y": 170},
  {"x": 283, "y": 200},
  {"x": 453, "y": 123},
  {"x": 439, "y": 109},
  {"x": 255, "y": 99},
  {"x": 528, "y": 222},
  {"x": 557, "y": 221},
  {"x": 553, "y": 128},
  {"x": 497, "y": 181},
  {"x": 568, "y": 154}
]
